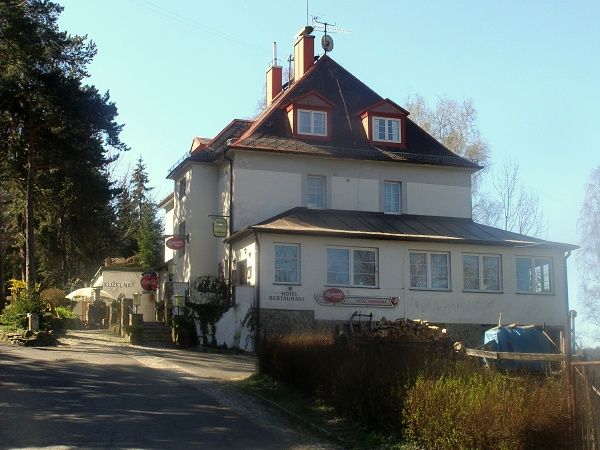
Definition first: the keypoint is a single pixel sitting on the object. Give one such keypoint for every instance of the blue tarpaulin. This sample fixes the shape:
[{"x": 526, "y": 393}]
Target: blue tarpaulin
[{"x": 520, "y": 340}]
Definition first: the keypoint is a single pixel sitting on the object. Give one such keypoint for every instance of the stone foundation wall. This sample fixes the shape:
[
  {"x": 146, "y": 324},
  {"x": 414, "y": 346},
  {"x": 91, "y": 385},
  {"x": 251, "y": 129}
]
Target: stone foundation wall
[{"x": 286, "y": 321}]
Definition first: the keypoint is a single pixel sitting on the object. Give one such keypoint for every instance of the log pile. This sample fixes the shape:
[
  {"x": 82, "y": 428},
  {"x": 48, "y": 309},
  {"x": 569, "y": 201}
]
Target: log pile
[{"x": 406, "y": 330}]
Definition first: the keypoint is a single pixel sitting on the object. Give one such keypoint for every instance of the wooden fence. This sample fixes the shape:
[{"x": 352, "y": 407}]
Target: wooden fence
[{"x": 585, "y": 378}]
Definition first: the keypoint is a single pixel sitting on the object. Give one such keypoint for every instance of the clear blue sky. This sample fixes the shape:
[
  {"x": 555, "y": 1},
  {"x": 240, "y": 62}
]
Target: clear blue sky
[{"x": 181, "y": 68}]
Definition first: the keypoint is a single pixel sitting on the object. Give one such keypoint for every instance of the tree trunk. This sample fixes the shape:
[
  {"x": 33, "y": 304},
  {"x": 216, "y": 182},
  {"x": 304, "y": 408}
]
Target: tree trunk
[
  {"x": 2, "y": 281},
  {"x": 30, "y": 269}
]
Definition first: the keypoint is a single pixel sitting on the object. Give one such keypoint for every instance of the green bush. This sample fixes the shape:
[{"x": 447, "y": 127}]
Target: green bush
[
  {"x": 484, "y": 409},
  {"x": 15, "y": 315},
  {"x": 64, "y": 312}
]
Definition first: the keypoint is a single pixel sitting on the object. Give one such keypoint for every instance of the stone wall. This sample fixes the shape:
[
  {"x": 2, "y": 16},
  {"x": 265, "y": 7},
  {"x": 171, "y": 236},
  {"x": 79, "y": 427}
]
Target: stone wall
[{"x": 286, "y": 321}]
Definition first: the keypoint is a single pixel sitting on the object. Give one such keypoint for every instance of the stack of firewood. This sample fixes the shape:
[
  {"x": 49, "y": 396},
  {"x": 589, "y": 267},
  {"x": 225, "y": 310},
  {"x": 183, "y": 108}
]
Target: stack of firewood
[{"x": 407, "y": 330}]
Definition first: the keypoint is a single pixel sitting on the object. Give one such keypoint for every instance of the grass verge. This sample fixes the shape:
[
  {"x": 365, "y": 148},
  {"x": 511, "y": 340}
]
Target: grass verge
[{"x": 315, "y": 415}]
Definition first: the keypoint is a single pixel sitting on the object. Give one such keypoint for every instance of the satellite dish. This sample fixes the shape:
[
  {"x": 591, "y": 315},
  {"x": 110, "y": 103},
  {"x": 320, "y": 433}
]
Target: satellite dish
[{"x": 327, "y": 43}]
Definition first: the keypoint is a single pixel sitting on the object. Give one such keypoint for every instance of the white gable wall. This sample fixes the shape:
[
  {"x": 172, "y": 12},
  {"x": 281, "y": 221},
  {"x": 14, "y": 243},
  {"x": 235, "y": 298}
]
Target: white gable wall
[{"x": 200, "y": 256}]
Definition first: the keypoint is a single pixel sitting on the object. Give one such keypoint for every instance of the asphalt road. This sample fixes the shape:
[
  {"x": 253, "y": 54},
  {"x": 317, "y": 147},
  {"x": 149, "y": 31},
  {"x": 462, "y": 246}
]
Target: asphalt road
[{"x": 97, "y": 393}]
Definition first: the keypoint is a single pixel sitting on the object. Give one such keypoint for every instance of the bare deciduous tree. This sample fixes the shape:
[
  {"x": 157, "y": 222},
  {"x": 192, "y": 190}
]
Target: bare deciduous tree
[
  {"x": 517, "y": 207},
  {"x": 511, "y": 205},
  {"x": 589, "y": 255}
]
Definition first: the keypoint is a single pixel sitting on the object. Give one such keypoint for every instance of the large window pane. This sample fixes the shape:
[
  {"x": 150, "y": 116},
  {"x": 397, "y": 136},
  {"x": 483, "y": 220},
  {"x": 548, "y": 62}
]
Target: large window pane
[
  {"x": 491, "y": 273},
  {"x": 471, "y": 272},
  {"x": 524, "y": 275},
  {"x": 286, "y": 264},
  {"x": 380, "y": 129},
  {"x": 338, "y": 266},
  {"x": 439, "y": 271},
  {"x": 542, "y": 275},
  {"x": 391, "y": 197},
  {"x": 393, "y": 130},
  {"x": 418, "y": 270},
  {"x": 319, "y": 123},
  {"x": 305, "y": 122},
  {"x": 365, "y": 268},
  {"x": 315, "y": 191}
]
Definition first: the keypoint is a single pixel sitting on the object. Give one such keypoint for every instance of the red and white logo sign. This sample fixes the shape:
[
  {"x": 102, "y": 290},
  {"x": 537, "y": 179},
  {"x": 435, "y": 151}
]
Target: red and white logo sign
[
  {"x": 149, "y": 282},
  {"x": 334, "y": 295},
  {"x": 175, "y": 243}
]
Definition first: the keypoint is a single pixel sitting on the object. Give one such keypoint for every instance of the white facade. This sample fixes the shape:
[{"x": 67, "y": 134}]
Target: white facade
[
  {"x": 453, "y": 305},
  {"x": 123, "y": 282},
  {"x": 253, "y": 172}
]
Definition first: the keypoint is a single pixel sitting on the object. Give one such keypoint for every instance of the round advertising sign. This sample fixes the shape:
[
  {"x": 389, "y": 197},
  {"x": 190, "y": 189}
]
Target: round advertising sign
[
  {"x": 149, "y": 282},
  {"x": 175, "y": 243},
  {"x": 334, "y": 295}
]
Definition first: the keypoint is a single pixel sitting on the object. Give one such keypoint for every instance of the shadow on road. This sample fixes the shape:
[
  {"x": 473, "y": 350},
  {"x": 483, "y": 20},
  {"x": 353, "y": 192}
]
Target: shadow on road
[{"x": 51, "y": 399}]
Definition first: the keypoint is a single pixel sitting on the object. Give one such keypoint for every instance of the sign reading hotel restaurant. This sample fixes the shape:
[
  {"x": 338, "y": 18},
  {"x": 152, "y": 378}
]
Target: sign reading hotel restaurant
[
  {"x": 286, "y": 296},
  {"x": 220, "y": 227},
  {"x": 336, "y": 297},
  {"x": 175, "y": 243}
]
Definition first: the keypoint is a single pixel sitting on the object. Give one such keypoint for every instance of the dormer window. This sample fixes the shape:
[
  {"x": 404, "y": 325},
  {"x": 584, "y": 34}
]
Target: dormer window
[
  {"x": 312, "y": 122},
  {"x": 386, "y": 130},
  {"x": 385, "y": 124},
  {"x": 310, "y": 117}
]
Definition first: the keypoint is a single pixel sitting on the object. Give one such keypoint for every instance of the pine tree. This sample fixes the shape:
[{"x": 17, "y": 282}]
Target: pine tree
[
  {"x": 54, "y": 135},
  {"x": 149, "y": 237}
]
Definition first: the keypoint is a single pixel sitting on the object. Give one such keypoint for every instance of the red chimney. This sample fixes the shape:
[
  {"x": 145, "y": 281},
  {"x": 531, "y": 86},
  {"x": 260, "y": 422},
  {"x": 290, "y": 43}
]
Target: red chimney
[
  {"x": 274, "y": 78},
  {"x": 304, "y": 52}
]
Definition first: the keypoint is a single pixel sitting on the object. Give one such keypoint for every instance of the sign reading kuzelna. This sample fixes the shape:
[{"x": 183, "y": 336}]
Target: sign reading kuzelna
[{"x": 220, "y": 227}]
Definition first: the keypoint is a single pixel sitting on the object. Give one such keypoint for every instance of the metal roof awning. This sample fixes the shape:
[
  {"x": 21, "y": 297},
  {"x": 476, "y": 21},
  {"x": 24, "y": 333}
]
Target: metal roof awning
[{"x": 405, "y": 227}]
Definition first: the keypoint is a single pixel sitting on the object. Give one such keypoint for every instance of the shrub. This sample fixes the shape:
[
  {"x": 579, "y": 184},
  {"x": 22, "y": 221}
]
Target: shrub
[
  {"x": 482, "y": 409},
  {"x": 23, "y": 302},
  {"x": 54, "y": 297},
  {"x": 421, "y": 391},
  {"x": 64, "y": 313},
  {"x": 366, "y": 381}
]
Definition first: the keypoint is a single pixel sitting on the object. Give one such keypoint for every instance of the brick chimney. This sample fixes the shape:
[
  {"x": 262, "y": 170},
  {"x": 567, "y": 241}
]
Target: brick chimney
[
  {"x": 304, "y": 52},
  {"x": 274, "y": 78}
]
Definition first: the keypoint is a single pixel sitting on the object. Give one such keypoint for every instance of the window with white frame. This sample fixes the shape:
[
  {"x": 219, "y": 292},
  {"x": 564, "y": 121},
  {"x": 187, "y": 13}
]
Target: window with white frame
[
  {"x": 386, "y": 130},
  {"x": 352, "y": 267},
  {"x": 312, "y": 122},
  {"x": 392, "y": 192},
  {"x": 287, "y": 263},
  {"x": 429, "y": 270},
  {"x": 315, "y": 191},
  {"x": 482, "y": 273},
  {"x": 534, "y": 275}
]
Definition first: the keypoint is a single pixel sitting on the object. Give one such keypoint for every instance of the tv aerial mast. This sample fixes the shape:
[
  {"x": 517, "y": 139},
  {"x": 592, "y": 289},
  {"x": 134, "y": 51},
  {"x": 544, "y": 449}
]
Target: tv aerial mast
[{"x": 327, "y": 40}]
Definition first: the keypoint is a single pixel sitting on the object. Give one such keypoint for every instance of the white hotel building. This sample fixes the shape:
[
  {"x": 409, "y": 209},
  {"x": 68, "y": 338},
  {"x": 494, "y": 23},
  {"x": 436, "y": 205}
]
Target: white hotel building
[{"x": 337, "y": 202}]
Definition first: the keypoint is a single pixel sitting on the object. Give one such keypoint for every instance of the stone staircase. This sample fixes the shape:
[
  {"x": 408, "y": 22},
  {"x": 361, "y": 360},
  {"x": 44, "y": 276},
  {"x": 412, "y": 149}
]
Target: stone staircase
[{"x": 157, "y": 334}]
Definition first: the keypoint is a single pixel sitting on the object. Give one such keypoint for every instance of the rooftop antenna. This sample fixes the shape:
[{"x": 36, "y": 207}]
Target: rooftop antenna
[
  {"x": 326, "y": 40},
  {"x": 274, "y": 63}
]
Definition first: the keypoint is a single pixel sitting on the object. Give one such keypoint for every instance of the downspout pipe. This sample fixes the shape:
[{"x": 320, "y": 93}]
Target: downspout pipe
[
  {"x": 567, "y": 312},
  {"x": 229, "y": 252},
  {"x": 257, "y": 291}
]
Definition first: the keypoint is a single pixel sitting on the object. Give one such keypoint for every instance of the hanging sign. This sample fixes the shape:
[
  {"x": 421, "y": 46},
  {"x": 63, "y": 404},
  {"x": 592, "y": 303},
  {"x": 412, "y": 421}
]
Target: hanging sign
[
  {"x": 149, "y": 282},
  {"x": 220, "y": 227},
  {"x": 175, "y": 243},
  {"x": 336, "y": 297}
]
